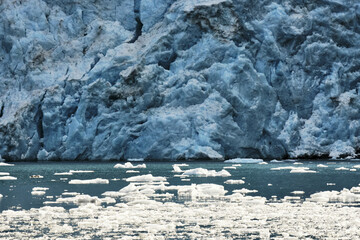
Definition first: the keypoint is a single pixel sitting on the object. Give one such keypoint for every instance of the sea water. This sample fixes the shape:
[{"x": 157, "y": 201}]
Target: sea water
[{"x": 189, "y": 201}]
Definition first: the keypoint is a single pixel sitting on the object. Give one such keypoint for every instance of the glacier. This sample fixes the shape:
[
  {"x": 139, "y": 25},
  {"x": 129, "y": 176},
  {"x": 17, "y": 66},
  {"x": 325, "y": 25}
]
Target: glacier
[{"x": 179, "y": 79}]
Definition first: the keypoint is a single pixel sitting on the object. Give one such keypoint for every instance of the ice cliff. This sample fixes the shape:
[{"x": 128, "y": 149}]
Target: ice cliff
[{"x": 185, "y": 79}]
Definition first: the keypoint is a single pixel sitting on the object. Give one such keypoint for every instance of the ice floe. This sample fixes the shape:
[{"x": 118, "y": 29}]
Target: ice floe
[
  {"x": 298, "y": 192},
  {"x": 2, "y": 164},
  {"x": 244, "y": 160},
  {"x": 8, "y": 178},
  {"x": 39, "y": 191},
  {"x": 4, "y": 174},
  {"x": 202, "y": 172},
  {"x": 146, "y": 178},
  {"x": 89, "y": 181},
  {"x": 129, "y": 165},
  {"x": 81, "y": 171},
  {"x": 231, "y": 181},
  {"x": 342, "y": 169},
  {"x": 63, "y": 173},
  {"x": 322, "y": 166}
]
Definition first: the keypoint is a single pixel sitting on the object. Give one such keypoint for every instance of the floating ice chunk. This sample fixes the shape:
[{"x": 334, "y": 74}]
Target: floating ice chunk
[
  {"x": 202, "y": 172},
  {"x": 356, "y": 166},
  {"x": 38, "y": 193},
  {"x": 262, "y": 163},
  {"x": 203, "y": 191},
  {"x": 177, "y": 168},
  {"x": 342, "y": 169},
  {"x": 146, "y": 178},
  {"x": 282, "y": 168},
  {"x": 4, "y": 174},
  {"x": 276, "y": 161},
  {"x": 129, "y": 165},
  {"x": 330, "y": 184},
  {"x": 89, "y": 181},
  {"x": 298, "y": 192},
  {"x": 352, "y": 170},
  {"x": 81, "y": 171},
  {"x": 291, "y": 198},
  {"x": 344, "y": 196},
  {"x": 298, "y": 163},
  {"x": 2, "y": 164},
  {"x": 1, "y": 196},
  {"x": 322, "y": 166},
  {"x": 70, "y": 193},
  {"x": 185, "y": 180},
  {"x": 244, "y": 191},
  {"x": 60, "y": 229},
  {"x": 244, "y": 160},
  {"x": 132, "y": 171},
  {"x": 63, "y": 173},
  {"x": 112, "y": 194},
  {"x": 302, "y": 170},
  {"x": 269, "y": 184},
  {"x": 8, "y": 178},
  {"x": 355, "y": 190},
  {"x": 237, "y": 165},
  {"x": 36, "y": 176},
  {"x": 230, "y": 167},
  {"x": 40, "y": 189},
  {"x": 80, "y": 200},
  {"x": 230, "y": 181}
]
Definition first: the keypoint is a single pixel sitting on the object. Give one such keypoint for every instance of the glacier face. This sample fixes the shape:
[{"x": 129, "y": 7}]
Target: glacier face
[{"x": 185, "y": 79}]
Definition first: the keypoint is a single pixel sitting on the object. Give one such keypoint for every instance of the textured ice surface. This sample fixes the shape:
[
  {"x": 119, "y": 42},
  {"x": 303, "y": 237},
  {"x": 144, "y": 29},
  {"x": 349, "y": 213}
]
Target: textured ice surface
[
  {"x": 167, "y": 79},
  {"x": 244, "y": 160},
  {"x": 89, "y": 181},
  {"x": 129, "y": 165},
  {"x": 7, "y": 178},
  {"x": 201, "y": 172}
]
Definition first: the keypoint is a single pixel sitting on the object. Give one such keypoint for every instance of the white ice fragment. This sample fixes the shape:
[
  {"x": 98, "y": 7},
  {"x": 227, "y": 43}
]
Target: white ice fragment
[
  {"x": 81, "y": 171},
  {"x": 1, "y": 196},
  {"x": 89, "y": 181},
  {"x": 322, "y": 166},
  {"x": 231, "y": 181},
  {"x": 302, "y": 170},
  {"x": 298, "y": 192},
  {"x": 38, "y": 193},
  {"x": 356, "y": 166},
  {"x": 129, "y": 165},
  {"x": 244, "y": 191},
  {"x": 202, "y": 191},
  {"x": 36, "y": 176},
  {"x": 4, "y": 174},
  {"x": 244, "y": 160},
  {"x": 177, "y": 168},
  {"x": 230, "y": 167},
  {"x": 344, "y": 196},
  {"x": 146, "y": 178},
  {"x": 80, "y": 200},
  {"x": 282, "y": 168},
  {"x": 355, "y": 190},
  {"x": 352, "y": 170},
  {"x": 112, "y": 194},
  {"x": 269, "y": 184},
  {"x": 40, "y": 189},
  {"x": 342, "y": 169},
  {"x": 297, "y": 163},
  {"x": 276, "y": 161},
  {"x": 63, "y": 173},
  {"x": 132, "y": 171},
  {"x": 8, "y": 178},
  {"x": 262, "y": 163},
  {"x": 185, "y": 180},
  {"x": 330, "y": 184},
  {"x": 202, "y": 172},
  {"x": 2, "y": 164},
  {"x": 70, "y": 194}
]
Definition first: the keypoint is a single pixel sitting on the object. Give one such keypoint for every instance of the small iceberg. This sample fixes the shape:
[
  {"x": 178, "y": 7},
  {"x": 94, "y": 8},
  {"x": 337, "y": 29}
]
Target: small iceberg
[{"x": 243, "y": 160}]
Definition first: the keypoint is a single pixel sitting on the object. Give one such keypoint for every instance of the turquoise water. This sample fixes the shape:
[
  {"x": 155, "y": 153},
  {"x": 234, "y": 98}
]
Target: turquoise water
[{"x": 17, "y": 193}]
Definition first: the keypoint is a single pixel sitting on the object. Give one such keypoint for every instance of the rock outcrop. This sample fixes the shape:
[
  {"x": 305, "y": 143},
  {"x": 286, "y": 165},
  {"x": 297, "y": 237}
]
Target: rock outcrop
[{"x": 185, "y": 79}]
